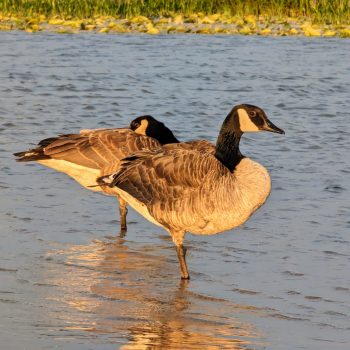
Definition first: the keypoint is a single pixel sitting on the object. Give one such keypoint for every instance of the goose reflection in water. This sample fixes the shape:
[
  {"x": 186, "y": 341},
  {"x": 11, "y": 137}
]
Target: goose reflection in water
[{"x": 137, "y": 307}]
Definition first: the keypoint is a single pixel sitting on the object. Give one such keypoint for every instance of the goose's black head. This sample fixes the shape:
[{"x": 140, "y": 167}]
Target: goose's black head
[
  {"x": 242, "y": 118},
  {"x": 149, "y": 126},
  {"x": 249, "y": 118}
]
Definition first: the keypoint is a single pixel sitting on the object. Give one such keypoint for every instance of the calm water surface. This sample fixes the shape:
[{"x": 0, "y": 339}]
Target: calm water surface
[{"x": 281, "y": 281}]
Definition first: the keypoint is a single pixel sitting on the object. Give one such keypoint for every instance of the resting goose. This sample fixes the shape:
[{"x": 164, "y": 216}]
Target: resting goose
[
  {"x": 93, "y": 153},
  {"x": 186, "y": 188}
]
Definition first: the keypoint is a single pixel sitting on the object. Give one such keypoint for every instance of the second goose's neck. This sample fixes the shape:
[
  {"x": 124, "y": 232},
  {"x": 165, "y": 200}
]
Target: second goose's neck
[
  {"x": 167, "y": 137},
  {"x": 227, "y": 148},
  {"x": 163, "y": 134}
]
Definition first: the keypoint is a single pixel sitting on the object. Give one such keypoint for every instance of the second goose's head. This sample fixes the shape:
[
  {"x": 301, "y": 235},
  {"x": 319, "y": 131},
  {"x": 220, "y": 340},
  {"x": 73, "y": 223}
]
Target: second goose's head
[
  {"x": 249, "y": 118},
  {"x": 149, "y": 126}
]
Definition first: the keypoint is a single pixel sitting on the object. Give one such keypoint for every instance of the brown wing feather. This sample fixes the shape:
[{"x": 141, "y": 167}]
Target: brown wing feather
[
  {"x": 170, "y": 179},
  {"x": 98, "y": 149},
  {"x": 202, "y": 146}
]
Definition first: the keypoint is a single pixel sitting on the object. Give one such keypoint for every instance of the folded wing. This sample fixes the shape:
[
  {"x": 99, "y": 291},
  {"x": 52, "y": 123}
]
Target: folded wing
[
  {"x": 173, "y": 182},
  {"x": 95, "y": 149}
]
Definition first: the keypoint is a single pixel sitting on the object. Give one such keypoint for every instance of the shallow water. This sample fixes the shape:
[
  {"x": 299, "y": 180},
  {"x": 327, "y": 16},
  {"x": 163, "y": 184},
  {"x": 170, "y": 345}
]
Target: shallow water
[{"x": 281, "y": 281}]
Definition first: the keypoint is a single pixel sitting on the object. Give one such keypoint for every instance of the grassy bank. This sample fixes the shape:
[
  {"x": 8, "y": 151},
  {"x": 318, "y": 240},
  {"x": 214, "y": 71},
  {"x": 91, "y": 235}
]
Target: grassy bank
[
  {"x": 261, "y": 17},
  {"x": 318, "y": 11}
]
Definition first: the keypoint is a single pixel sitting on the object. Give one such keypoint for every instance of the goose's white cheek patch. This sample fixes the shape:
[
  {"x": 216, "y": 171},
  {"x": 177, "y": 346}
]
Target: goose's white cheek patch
[
  {"x": 142, "y": 128},
  {"x": 245, "y": 124}
]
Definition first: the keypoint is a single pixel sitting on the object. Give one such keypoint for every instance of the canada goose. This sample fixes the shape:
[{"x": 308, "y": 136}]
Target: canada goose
[
  {"x": 93, "y": 153},
  {"x": 186, "y": 189}
]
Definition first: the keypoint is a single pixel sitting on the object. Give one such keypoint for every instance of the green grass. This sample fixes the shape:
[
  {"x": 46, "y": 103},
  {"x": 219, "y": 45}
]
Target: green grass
[{"x": 321, "y": 11}]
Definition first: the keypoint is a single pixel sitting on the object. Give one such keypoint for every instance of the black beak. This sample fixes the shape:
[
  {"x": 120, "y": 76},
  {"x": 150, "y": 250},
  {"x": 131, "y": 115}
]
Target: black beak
[{"x": 272, "y": 128}]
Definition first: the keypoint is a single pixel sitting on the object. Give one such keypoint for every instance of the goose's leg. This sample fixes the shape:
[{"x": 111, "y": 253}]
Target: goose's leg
[
  {"x": 123, "y": 211},
  {"x": 178, "y": 238},
  {"x": 181, "y": 254}
]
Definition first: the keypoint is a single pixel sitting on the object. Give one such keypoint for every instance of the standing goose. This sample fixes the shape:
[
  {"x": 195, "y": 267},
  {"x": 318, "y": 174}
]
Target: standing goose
[
  {"x": 93, "y": 153},
  {"x": 192, "y": 189}
]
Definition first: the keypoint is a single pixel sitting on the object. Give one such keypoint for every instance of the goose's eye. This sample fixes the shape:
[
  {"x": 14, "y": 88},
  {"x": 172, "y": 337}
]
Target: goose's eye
[
  {"x": 252, "y": 114},
  {"x": 136, "y": 125}
]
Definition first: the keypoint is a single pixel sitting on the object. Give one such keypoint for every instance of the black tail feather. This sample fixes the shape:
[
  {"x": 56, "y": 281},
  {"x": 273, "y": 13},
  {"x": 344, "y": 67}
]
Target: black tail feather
[
  {"x": 31, "y": 155},
  {"x": 32, "y": 158},
  {"x": 20, "y": 154},
  {"x": 48, "y": 141},
  {"x": 37, "y": 153}
]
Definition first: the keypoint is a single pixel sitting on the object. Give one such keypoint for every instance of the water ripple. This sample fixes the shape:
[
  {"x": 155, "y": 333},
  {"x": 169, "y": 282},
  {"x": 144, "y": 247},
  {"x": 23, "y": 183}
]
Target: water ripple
[{"x": 280, "y": 281}]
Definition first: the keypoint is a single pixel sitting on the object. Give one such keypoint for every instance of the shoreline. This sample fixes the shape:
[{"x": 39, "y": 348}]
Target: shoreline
[{"x": 178, "y": 23}]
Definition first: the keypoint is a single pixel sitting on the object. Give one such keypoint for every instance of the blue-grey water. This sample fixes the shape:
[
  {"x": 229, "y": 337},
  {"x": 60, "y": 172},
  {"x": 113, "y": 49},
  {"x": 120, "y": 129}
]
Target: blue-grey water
[{"x": 281, "y": 281}]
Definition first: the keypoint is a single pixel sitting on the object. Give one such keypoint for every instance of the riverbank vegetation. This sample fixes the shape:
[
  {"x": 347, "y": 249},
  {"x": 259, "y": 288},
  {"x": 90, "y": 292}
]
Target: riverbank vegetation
[{"x": 275, "y": 17}]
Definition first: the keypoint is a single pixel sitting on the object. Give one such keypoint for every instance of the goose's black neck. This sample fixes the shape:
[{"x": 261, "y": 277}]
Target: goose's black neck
[
  {"x": 227, "y": 146},
  {"x": 160, "y": 132},
  {"x": 168, "y": 137}
]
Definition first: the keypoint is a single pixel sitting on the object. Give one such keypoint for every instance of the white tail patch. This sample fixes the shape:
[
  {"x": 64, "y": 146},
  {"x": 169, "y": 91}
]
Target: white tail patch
[
  {"x": 108, "y": 179},
  {"x": 142, "y": 128},
  {"x": 85, "y": 176},
  {"x": 245, "y": 123},
  {"x": 137, "y": 205}
]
